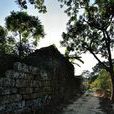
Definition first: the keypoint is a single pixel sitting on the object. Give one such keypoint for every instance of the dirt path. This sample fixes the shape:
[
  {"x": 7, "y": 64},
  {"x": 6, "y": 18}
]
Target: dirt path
[{"x": 84, "y": 105}]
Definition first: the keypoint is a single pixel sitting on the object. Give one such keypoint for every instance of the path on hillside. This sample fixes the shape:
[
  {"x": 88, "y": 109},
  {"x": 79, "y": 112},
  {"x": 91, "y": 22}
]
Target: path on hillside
[{"x": 85, "y": 105}]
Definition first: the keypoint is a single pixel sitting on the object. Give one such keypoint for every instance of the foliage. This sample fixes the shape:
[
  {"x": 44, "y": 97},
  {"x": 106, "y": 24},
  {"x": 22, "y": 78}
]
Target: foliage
[
  {"x": 91, "y": 30},
  {"x": 5, "y": 42},
  {"x": 27, "y": 30},
  {"x": 97, "y": 68},
  {"x": 102, "y": 81},
  {"x": 72, "y": 58},
  {"x": 39, "y": 4},
  {"x": 2, "y": 39},
  {"x": 93, "y": 78}
]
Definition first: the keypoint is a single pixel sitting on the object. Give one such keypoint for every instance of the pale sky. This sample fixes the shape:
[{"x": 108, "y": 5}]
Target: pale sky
[{"x": 54, "y": 22}]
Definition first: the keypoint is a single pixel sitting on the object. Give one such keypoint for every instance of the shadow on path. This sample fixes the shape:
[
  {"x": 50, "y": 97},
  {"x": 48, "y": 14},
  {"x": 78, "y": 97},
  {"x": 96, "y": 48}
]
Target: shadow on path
[
  {"x": 106, "y": 106},
  {"x": 81, "y": 105},
  {"x": 89, "y": 105}
]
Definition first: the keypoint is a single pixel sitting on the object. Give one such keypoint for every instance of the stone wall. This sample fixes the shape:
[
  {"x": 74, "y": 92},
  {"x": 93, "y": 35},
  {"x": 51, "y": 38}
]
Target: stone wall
[
  {"x": 43, "y": 79},
  {"x": 23, "y": 88},
  {"x": 27, "y": 88}
]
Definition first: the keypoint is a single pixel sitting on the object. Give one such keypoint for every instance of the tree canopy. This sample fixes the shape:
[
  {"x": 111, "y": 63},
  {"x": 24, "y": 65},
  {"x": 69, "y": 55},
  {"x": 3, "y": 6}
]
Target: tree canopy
[
  {"x": 3, "y": 34},
  {"x": 39, "y": 4},
  {"x": 28, "y": 30},
  {"x": 102, "y": 82},
  {"x": 90, "y": 30}
]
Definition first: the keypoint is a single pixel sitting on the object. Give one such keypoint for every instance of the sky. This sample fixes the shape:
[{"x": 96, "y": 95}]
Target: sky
[{"x": 54, "y": 22}]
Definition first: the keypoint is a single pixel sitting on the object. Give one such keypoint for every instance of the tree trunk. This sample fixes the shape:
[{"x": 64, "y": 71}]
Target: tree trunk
[
  {"x": 20, "y": 46},
  {"x": 112, "y": 87}
]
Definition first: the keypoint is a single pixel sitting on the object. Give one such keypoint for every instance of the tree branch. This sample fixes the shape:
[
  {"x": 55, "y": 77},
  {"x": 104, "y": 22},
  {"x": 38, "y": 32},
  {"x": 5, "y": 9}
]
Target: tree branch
[
  {"x": 90, "y": 50},
  {"x": 75, "y": 57},
  {"x": 106, "y": 67},
  {"x": 108, "y": 41}
]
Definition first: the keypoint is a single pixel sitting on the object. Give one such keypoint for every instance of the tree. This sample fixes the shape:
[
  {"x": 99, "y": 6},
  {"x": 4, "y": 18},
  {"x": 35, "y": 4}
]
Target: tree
[
  {"x": 98, "y": 67},
  {"x": 39, "y": 4},
  {"x": 6, "y": 44},
  {"x": 2, "y": 39},
  {"x": 27, "y": 29},
  {"x": 102, "y": 82},
  {"x": 91, "y": 30}
]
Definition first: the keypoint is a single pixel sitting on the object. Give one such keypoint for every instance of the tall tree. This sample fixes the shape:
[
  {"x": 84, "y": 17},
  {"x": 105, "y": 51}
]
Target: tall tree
[
  {"x": 39, "y": 4},
  {"x": 28, "y": 30},
  {"x": 101, "y": 81},
  {"x": 6, "y": 42},
  {"x": 91, "y": 28},
  {"x": 3, "y": 42}
]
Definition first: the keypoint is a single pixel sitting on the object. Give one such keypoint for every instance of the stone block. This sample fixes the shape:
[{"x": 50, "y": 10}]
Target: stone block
[
  {"x": 2, "y": 108},
  {"x": 44, "y": 75},
  {"x": 22, "y": 83},
  {"x": 9, "y": 73},
  {"x": 35, "y": 95},
  {"x": 33, "y": 70},
  {"x": 47, "y": 83},
  {"x": 12, "y": 107},
  {"x": 15, "y": 97},
  {"x": 25, "y": 68},
  {"x": 21, "y": 67},
  {"x": 36, "y": 90},
  {"x": 7, "y": 82},
  {"x": 15, "y": 75},
  {"x": 35, "y": 83},
  {"x": 7, "y": 91},
  {"x": 30, "y": 96},
  {"x": 35, "y": 103},
  {"x": 25, "y": 90},
  {"x": 47, "y": 89},
  {"x": 10, "y": 99},
  {"x": 29, "y": 76},
  {"x": 26, "y": 97}
]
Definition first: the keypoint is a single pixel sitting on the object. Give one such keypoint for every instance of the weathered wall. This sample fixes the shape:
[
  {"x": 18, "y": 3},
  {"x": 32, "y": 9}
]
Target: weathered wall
[
  {"x": 58, "y": 68},
  {"x": 23, "y": 88},
  {"x": 46, "y": 79},
  {"x": 26, "y": 88}
]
